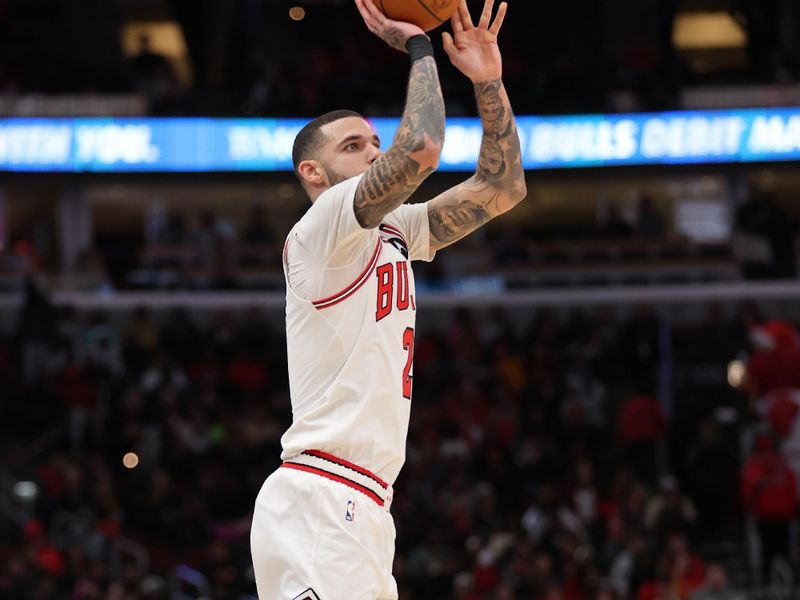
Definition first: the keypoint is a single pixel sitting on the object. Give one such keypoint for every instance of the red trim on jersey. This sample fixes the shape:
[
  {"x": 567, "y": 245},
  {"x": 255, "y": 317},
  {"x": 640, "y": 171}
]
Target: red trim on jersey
[
  {"x": 333, "y": 477},
  {"x": 349, "y": 465},
  {"x": 353, "y": 287},
  {"x": 394, "y": 231}
]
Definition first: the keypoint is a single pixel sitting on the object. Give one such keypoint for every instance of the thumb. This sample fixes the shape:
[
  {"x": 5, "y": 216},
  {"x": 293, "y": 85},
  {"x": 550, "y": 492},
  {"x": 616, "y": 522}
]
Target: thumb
[{"x": 448, "y": 45}]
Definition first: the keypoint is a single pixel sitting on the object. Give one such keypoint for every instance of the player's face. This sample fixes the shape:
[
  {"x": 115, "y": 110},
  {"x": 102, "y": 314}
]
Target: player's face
[{"x": 351, "y": 148}]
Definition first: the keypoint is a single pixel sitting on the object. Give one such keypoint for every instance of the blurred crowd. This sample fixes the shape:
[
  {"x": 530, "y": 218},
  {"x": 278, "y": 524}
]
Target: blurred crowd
[
  {"x": 581, "y": 455},
  {"x": 249, "y": 58}
]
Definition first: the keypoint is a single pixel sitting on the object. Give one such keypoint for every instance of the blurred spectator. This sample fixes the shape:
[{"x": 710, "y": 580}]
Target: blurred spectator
[
  {"x": 91, "y": 274},
  {"x": 649, "y": 223},
  {"x": 769, "y": 496},
  {"x": 204, "y": 240},
  {"x": 685, "y": 568},
  {"x": 152, "y": 73},
  {"x": 101, "y": 346},
  {"x": 764, "y": 238},
  {"x": 712, "y": 474},
  {"x": 174, "y": 231},
  {"x": 670, "y": 512},
  {"x": 641, "y": 344},
  {"x": 615, "y": 226},
  {"x": 633, "y": 565},
  {"x": 760, "y": 20},
  {"x": 583, "y": 405},
  {"x": 139, "y": 338},
  {"x": 257, "y": 231},
  {"x": 19, "y": 259},
  {"x": 641, "y": 429},
  {"x": 511, "y": 249},
  {"x": 258, "y": 245},
  {"x": 775, "y": 364},
  {"x": 716, "y": 586},
  {"x": 35, "y": 330}
]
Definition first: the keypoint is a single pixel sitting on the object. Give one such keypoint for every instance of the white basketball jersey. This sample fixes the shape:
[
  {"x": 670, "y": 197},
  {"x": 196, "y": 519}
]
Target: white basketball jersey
[{"x": 350, "y": 314}]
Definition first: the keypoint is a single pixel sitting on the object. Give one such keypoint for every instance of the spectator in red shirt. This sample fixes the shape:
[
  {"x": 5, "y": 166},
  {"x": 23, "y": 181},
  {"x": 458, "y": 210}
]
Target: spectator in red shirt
[
  {"x": 641, "y": 427},
  {"x": 769, "y": 495},
  {"x": 776, "y": 363}
]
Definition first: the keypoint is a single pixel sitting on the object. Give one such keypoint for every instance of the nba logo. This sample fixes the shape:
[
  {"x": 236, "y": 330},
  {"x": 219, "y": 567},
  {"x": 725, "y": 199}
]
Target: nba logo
[{"x": 350, "y": 513}]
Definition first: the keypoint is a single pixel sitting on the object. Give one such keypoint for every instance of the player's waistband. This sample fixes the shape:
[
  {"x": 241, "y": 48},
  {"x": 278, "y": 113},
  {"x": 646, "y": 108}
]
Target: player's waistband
[{"x": 344, "y": 472}]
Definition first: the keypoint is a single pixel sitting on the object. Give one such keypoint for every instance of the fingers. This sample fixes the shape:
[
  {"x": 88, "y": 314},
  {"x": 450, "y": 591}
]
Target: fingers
[
  {"x": 486, "y": 15},
  {"x": 498, "y": 20},
  {"x": 376, "y": 15},
  {"x": 365, "y": 14},
  {"x": 455, "y": 21},
  {"x": 449, "y": 46},
  {"x": 374, "y": 18},
  {"x": 466, "y": 19},
  {"x": 362, "y": 9}
]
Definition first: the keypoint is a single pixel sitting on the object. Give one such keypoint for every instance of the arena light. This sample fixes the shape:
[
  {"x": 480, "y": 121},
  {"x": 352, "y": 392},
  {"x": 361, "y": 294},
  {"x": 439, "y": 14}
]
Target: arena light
[
  {"x": 166, "y": 38},
  {"x": 707, "y": 30},
  {"x": 26, "y": 490},
  {"x": 297, "y": 13},
  {"x": 736, "y": 373},
  {"x": 130, "y": 460}
]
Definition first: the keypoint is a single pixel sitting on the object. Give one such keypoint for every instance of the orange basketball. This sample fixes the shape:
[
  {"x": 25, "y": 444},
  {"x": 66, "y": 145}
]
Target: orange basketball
[{"x": 426, "y": 14}]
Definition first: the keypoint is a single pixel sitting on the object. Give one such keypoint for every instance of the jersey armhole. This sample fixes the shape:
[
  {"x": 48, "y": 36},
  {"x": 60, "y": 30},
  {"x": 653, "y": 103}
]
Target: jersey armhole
[{"x": 356, "y": 285}]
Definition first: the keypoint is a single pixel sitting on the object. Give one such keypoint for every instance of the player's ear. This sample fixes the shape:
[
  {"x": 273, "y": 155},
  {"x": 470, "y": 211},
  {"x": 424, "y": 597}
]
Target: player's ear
[{"x": 312, "y": 172}]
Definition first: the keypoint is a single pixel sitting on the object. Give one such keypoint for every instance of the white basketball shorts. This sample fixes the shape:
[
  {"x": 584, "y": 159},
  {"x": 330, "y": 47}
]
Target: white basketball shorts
[{"x": 322, "y": 530}]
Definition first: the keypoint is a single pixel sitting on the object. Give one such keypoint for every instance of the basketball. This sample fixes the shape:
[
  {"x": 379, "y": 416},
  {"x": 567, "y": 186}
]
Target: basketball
[{"x": 426, "y": 14}]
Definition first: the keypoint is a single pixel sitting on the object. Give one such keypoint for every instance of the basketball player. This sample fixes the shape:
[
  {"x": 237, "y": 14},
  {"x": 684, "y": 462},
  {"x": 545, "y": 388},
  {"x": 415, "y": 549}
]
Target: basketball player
[{"x": 322, "y": 526}]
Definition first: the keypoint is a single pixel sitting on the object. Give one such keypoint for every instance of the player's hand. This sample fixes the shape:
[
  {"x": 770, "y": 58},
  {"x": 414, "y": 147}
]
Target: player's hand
[
  {"x": 394, "y": 33},
  {"x": 474, "y": 50}
]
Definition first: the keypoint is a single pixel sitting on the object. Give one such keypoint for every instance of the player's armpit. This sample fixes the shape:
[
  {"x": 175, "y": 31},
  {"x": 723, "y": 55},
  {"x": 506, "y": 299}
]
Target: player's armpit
[{"x": 414, "y": 153}]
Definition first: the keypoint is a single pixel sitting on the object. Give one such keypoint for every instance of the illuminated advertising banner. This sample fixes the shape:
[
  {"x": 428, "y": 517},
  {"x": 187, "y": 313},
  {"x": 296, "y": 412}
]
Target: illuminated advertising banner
[{"x": 258, "y": 145}]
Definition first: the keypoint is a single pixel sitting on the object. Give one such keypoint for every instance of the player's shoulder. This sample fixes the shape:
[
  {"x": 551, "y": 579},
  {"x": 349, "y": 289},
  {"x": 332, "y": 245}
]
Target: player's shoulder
[{"x": 406, "y": 216}]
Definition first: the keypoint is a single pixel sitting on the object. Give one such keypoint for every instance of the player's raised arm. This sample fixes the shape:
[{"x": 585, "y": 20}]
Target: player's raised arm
[
  {"x": 499, "y": 181},
  {"x": 414, "y": 153}
]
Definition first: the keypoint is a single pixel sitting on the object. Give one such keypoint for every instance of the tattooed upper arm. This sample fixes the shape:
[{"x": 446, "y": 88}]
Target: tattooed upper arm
[{"x": 414, "y": 153}]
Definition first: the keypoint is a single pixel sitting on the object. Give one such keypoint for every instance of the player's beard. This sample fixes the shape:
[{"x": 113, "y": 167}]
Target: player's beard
[{"x": 333, "y": 176}]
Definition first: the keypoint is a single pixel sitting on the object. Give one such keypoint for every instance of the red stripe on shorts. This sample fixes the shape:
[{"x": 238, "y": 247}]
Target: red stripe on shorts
[
  {"x": 333, "y": 477},
  {"x": 342, "y": 462}
]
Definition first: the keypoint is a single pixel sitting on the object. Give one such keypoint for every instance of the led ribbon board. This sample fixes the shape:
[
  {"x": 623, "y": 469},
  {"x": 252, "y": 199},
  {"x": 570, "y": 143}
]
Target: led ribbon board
[{"x": 162, "y": 145}]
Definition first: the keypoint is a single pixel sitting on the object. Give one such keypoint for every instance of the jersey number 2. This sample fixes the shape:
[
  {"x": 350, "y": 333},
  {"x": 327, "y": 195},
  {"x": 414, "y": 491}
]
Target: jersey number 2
[{"x": 408, "y": 344}]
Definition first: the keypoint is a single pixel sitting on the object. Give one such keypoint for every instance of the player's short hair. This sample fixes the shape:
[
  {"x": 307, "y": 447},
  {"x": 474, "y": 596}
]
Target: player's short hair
[{"x": 310, "y": 139}]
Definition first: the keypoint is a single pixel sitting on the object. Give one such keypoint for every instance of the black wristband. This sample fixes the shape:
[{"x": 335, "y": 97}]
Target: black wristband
[{"x": 419, "y": 47}]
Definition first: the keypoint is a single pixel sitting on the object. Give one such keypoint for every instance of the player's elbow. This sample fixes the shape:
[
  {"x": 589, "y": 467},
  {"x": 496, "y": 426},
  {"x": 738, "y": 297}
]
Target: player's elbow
[
  {"x": 510, "y": 195},
  {"x": 520, "y": 191},
  {"x": 516, "y": 191}
]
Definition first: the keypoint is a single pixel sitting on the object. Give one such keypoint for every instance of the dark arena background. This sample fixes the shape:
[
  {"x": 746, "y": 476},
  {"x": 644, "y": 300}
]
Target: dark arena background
[{"x": 607, "y": 379}]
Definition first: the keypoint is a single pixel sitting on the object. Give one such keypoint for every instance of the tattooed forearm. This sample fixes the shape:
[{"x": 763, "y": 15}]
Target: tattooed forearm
[
  {"x": 500, "y": 160},
  {"x": 414, "y": 153},
  {"x": 499, "y": 181}
]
